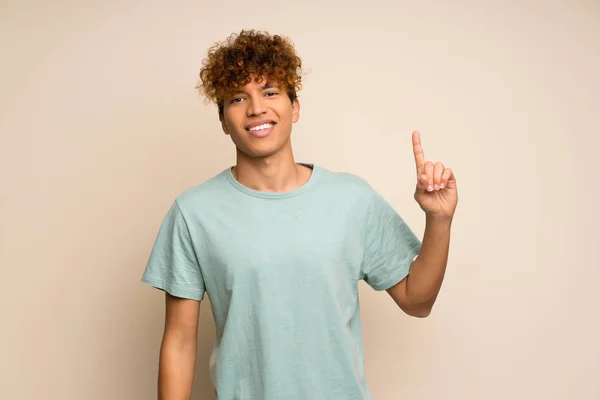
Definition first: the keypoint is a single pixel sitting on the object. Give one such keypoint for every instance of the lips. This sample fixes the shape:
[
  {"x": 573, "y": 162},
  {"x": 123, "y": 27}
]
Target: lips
[
  {"x": 260, "y": 129},
  {"x": 261, "y": 122}
]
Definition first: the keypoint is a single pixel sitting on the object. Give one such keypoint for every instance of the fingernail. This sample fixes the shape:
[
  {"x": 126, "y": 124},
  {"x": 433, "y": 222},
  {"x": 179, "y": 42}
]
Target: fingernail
[
  {"x": 442, "y": 186},
  {"x": 429, "y": 188},
  {"x": 436, "y": 187}
]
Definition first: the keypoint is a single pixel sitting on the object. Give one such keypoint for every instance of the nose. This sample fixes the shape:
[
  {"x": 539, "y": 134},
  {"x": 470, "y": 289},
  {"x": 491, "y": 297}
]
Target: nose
[{"x": 257, "y": 106}]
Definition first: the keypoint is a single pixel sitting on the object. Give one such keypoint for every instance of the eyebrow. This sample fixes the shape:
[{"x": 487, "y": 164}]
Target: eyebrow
[{"x": 267, "y": 85}]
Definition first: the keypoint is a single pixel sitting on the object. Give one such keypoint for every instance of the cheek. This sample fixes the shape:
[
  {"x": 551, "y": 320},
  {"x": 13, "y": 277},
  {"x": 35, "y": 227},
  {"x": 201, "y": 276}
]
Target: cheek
[
  {"x": 232, "y": 125},
  {"x": 286, "y": 114}
]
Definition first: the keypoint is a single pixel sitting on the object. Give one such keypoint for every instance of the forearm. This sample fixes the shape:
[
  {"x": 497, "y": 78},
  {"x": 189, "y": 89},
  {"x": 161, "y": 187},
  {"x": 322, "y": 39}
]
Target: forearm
[
  {"x": 427, "y": 271},
  {"x": 176, "y": 367}
]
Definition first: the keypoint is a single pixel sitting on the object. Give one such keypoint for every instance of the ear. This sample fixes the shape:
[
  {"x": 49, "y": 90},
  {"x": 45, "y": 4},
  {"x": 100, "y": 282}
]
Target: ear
[{"x": 295, "y": 111}]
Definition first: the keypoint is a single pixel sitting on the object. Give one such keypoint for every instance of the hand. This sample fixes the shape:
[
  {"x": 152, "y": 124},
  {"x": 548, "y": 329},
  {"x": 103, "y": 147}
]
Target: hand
[{"x": 436, "y": 186}]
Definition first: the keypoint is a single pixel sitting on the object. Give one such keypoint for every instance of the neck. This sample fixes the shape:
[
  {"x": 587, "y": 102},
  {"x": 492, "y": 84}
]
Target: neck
[{"x": 276, "y": 173}]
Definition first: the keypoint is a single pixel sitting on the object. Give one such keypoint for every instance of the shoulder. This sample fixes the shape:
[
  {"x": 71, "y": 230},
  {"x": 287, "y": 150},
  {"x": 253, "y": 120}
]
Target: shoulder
[
  {"x": 210, "y": 192},
  {"x": 346, "y": 182},
  {"x": 351, "y": 187}
]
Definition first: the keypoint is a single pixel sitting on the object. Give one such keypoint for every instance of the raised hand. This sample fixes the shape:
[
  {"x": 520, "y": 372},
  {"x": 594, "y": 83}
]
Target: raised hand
[{"x": 436, "y": 190}]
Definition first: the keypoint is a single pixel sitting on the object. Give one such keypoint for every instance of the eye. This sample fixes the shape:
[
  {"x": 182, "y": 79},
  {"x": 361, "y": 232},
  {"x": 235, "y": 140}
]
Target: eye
[
  {"x": 271, "y": 94},
  {"x": 236, "y": 100}
]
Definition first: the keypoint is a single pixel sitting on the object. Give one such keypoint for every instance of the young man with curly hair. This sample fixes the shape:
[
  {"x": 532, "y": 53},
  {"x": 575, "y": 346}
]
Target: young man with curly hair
[{"x": 279, "y": 246}]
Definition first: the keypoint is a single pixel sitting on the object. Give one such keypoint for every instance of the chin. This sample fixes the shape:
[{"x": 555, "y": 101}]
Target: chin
[
  {"x": 262, "y": 150},
  {"x": 260, "y": 153}
]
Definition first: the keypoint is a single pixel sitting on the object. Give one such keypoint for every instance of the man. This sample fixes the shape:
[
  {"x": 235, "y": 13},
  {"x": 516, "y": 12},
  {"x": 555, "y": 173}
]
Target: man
[{"x": 279, "y": 246}]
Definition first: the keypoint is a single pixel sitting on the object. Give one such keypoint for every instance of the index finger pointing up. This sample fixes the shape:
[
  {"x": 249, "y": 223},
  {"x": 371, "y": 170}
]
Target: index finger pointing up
[{"x": 418, "y": 150}]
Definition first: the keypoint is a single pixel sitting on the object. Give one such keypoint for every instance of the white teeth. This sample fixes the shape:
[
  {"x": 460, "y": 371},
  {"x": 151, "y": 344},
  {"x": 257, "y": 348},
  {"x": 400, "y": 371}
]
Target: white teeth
[{"x": 261, "y": 127}]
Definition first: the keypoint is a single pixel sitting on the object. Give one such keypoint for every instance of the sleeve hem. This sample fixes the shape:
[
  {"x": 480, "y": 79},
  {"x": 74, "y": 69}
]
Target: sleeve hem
[
  {"x": 402, "y": 272},
  {"x": 175, "y": 290}
]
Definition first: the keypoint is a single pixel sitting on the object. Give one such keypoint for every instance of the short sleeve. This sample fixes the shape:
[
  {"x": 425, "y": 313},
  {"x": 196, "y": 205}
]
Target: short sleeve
[
  {"x": 390, "y": 246},
  {"x": 173, "y": 265}
]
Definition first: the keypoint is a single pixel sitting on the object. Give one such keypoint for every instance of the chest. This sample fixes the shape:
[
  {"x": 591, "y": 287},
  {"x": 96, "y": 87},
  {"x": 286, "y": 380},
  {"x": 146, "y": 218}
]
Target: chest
[{"x": 281, "y": 249}]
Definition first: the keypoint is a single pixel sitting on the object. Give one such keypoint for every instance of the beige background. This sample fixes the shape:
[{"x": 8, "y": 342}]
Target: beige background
[{"x": 101, "y": 128}]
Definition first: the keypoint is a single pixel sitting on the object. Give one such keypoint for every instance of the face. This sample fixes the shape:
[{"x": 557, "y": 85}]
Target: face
[{"x": 259, "y": 118}]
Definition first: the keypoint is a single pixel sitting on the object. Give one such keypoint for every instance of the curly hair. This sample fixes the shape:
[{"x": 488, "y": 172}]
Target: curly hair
[{"x": 230, "y": 64}]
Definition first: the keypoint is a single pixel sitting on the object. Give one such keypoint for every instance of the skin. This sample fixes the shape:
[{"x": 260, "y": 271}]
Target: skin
[
  {"x": 264, "y": 164},
  {"x": 177, "y": 361},
  {"x": 436, "y": 193},
  {"x": 267, "y": 164}
]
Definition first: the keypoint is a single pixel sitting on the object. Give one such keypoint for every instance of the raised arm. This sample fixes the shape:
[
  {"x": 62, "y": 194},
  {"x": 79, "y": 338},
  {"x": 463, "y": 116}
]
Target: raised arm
[{"x": 436, "y": 194}]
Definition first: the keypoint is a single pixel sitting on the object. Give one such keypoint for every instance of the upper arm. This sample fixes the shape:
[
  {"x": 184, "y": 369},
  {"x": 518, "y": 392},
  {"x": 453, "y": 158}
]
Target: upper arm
[
  {"x": 173, "y": 265},
  {"x": 181, "y": 317},
  {"x": 399, "y": 293},
  {"x": 390, "y": 247}
]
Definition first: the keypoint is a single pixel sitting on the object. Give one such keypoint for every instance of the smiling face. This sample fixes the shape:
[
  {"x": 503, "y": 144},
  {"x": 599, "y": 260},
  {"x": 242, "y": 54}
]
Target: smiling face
[{"x": 259, "y": 118}]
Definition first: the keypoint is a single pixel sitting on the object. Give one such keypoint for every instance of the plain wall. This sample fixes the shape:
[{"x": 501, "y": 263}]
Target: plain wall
[{"x": 101, "y": 128}]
